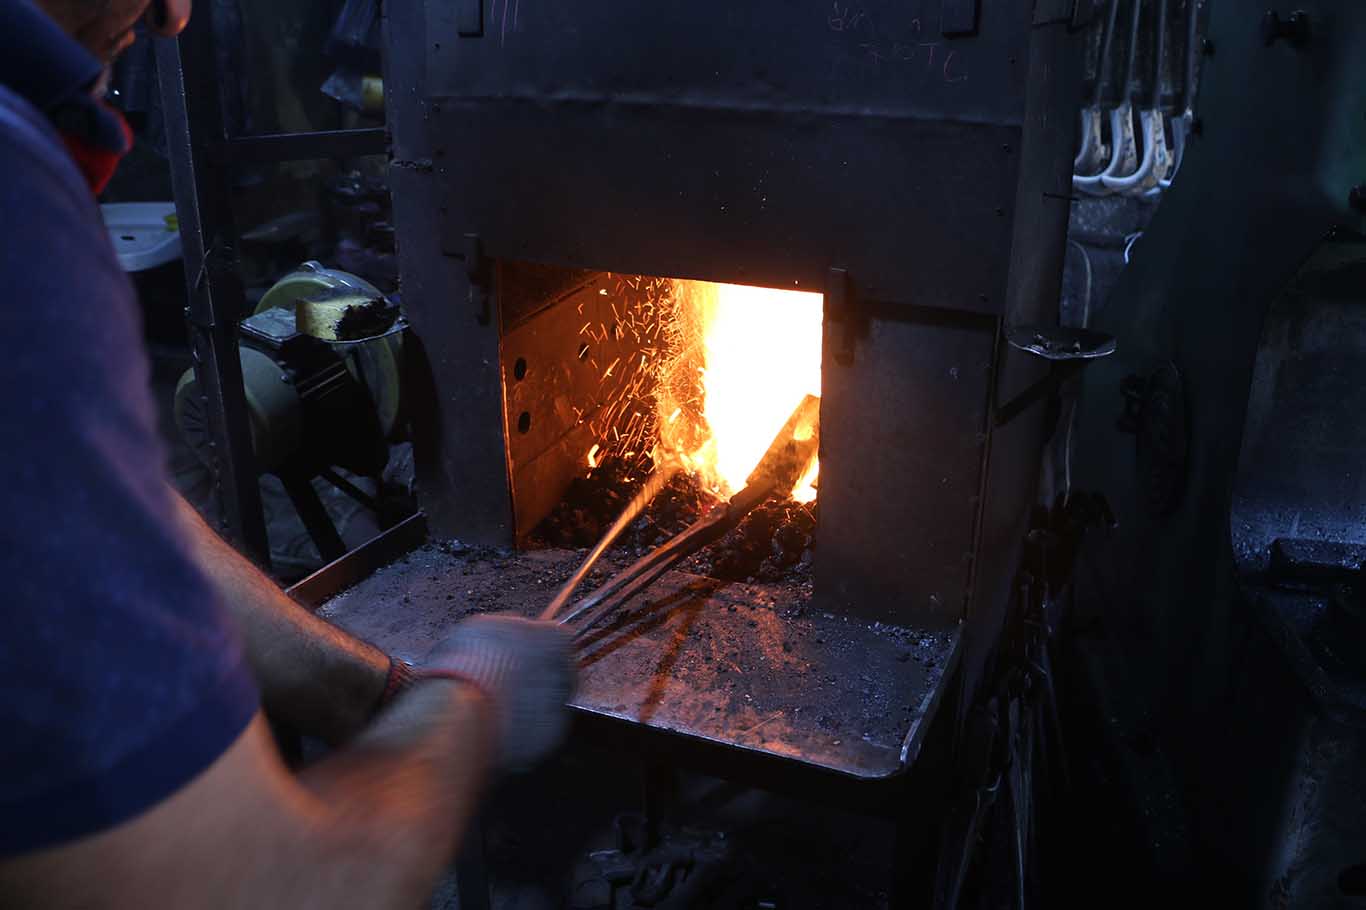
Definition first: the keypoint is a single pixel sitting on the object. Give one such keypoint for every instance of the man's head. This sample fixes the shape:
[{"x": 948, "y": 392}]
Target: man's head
[{"x": 105, "y": 27}]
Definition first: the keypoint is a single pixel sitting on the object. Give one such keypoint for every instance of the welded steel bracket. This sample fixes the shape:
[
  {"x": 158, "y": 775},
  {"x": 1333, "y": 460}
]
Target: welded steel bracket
[
  {"x": 469, "y": 18},
  {"x": 469, "y": 248},
  {"x": 1068, "y": 352},
  {"x": 1076, "y": 13},
  {"x": 959, "y": 18},
  {"x": 839, "y": 300}
]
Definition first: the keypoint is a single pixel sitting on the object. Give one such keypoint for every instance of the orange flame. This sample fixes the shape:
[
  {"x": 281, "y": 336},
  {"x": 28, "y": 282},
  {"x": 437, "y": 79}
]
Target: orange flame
[{"x": 758, "y": 351}]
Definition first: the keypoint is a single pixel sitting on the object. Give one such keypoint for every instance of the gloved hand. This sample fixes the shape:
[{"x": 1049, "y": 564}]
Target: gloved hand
[{"x": 526, "y": 668}]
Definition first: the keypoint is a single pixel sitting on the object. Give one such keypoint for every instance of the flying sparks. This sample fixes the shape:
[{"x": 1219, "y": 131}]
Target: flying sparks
[
  {"x": 718, "y": 370},
  {"x": 758, "y": 352}
]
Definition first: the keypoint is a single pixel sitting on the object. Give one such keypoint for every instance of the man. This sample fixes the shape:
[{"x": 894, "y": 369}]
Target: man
[{"x": 135, "y": 647}]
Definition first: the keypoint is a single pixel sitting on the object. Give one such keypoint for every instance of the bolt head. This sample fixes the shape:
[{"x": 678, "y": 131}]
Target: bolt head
[
  {"x": 1271, "y": 27},
  {"x": 1356, "y": 197}
]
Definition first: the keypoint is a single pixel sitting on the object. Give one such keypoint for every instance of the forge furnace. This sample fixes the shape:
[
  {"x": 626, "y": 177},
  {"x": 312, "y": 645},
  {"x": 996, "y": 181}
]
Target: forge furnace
[{"x": 911, "y": 162}]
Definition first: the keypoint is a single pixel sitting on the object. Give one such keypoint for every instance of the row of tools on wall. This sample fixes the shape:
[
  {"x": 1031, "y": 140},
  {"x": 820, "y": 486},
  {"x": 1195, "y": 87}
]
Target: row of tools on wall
[{"x": 1140, "y": 110}]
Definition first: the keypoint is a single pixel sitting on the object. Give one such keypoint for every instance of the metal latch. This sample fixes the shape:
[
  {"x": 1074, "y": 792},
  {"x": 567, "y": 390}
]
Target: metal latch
[
  {"x": 477, "y": 271},
  {"x": 958, "y": 17},
  {"x": 1076, "y": 13},
  {"x": 469, "y": 248},
  {"x": 839, "y": 310},
  {"x": 469, "y": 18}
]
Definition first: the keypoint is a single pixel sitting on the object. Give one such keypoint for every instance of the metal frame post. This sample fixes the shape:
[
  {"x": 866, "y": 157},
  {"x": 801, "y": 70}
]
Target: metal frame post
[{"x": 196, "y": 141}]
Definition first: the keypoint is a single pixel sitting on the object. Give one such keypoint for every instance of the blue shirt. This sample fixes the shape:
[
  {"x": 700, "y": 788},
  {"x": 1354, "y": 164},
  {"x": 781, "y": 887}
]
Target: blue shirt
[{"x": 121, "y": 675}]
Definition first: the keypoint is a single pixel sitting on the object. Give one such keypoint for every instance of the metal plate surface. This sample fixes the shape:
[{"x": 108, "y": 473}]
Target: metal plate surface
[
  {"x": 902, "y": 442},
  {"x": 916, "y": 212},
  {"x": 753, "y": 667},
  {"x": 815, "y": 57},
  {"x": 761, "y": 144},
  {"x": 576, "y": 374},
  {"x": 1299, "y": 473},
  {"x": 452, "y": 380}
]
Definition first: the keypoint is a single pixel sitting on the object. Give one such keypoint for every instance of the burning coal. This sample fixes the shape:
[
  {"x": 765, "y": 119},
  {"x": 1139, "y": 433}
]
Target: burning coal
[{"x": 720, "y": 368}]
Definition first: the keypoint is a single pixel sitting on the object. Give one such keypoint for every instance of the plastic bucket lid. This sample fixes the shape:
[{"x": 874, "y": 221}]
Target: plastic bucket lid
[{"x": 145, "y": 234}]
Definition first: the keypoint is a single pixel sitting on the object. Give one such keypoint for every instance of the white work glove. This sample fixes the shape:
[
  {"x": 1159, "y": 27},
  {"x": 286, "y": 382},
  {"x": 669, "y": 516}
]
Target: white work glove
[{"x": 526, "y": 668}]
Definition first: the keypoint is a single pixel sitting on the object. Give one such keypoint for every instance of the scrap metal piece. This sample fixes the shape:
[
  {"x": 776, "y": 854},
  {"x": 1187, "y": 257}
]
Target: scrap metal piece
[{"x": 792, "y": 450}]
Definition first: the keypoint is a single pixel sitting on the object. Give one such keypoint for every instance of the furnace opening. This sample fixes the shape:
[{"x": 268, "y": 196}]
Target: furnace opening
[
  {"x": 620, "y": 376},
  {"x": 743, "y": 360}
]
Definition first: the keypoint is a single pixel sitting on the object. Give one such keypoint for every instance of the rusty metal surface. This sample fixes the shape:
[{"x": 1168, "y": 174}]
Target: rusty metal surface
[
  {"x": 753, "y": 667},
  {"x": 575, "y": 373}
]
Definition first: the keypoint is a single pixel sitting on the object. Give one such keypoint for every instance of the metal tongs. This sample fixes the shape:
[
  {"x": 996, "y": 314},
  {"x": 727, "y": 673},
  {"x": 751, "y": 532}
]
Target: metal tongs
[
  {"x": 1093, "y": 152},
  {"x": 1156, "y": 161},
  {"x": 1123, "y": 155},
  {"x": 788, "y": 458},
  {"x": 1184, "y": 125},
  {"x": 1119, "y": 168}
]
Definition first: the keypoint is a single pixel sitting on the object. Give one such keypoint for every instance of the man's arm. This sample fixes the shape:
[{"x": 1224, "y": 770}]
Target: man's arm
[
  {"x": 373, "y": 825},
  {"x": 312, "y": 675}
]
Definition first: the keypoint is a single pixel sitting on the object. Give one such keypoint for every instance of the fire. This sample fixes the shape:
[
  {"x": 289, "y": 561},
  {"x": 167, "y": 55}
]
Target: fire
[{"x": 758, "y": 352}]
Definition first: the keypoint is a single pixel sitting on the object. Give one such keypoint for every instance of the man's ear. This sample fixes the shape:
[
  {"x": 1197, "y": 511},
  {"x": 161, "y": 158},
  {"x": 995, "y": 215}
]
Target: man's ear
[{"x": 168, "y": 18}]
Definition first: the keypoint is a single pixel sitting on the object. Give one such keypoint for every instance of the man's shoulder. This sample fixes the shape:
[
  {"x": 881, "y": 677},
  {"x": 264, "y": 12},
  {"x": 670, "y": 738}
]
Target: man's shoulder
[
  {"x": 57, "y": 256},
  {"x": 33, "y": 159},
  {"x": 123, "y": 677}
]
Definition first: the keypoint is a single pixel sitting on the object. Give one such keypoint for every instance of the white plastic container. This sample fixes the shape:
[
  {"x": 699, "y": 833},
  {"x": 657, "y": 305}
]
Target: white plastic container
[{"x": 145, "y": 234}]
